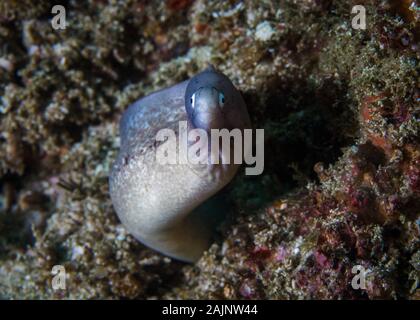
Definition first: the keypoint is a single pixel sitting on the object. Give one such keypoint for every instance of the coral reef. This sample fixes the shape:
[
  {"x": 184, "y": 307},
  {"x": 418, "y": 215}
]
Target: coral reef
[{"x": 340, "y": 109}]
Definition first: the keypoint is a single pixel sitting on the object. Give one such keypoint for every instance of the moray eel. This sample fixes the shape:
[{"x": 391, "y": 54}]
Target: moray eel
[{"x": 160, "y": 203}]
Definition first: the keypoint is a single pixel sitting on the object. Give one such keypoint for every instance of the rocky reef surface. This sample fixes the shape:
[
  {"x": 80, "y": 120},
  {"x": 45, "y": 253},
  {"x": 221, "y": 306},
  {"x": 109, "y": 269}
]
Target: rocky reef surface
[{"x": 340, "y": 109}]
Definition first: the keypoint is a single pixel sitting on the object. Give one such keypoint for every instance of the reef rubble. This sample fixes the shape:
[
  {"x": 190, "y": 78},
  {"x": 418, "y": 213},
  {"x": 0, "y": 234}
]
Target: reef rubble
[{"x": 340, "y": 110}]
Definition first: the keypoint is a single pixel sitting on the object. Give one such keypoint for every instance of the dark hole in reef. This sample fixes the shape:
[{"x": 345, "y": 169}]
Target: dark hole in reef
[
  {"x": 372, "y": 154},
  {"x": 173, "y": 276},
  {"x": 391, "y": 232},
  {"x": 305, "y": 123},
  {"x": 14, "y": 229},
  {"x": 410, "y": 207}
]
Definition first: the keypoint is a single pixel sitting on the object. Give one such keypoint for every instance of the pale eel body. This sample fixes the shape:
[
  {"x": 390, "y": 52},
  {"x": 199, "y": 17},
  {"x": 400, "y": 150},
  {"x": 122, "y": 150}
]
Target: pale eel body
[{"x": 154, "y": 201}]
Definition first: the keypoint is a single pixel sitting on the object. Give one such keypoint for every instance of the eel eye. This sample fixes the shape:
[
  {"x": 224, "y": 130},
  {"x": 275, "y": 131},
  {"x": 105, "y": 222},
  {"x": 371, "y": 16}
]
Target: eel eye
[
  {"x": 221, "y": 99},
  {"x": 193, "y": 101}
]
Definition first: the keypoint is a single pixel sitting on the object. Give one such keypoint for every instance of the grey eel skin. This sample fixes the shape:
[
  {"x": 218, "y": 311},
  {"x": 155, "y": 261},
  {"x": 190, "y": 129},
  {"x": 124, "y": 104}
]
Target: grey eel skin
[{"x": 158, "y": 203}]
